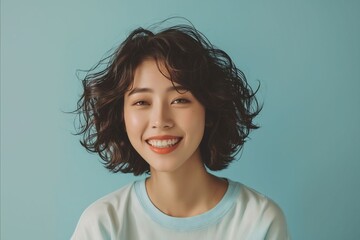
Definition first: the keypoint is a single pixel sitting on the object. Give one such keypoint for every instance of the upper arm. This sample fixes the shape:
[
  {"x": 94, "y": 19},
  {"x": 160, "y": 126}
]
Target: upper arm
[
  {"x": 276, "y": 222},
  {"x": 94, "y": 223}
]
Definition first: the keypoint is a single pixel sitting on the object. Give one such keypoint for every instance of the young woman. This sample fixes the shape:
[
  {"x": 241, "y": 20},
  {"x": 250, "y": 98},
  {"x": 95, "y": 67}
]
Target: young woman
[{"x": 171, "y": 105}]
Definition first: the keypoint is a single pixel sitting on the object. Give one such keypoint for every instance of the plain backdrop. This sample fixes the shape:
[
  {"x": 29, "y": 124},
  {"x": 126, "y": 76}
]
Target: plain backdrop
[{"x": 305, "y": 156}]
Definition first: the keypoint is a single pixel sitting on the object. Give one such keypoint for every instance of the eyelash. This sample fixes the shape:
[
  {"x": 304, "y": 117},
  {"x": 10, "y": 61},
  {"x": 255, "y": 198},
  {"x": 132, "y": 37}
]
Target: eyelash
[
  {"x": 180, "y": 101},
  {"x": 140, "y": 103},
  {"x": 176, "y": 101}
]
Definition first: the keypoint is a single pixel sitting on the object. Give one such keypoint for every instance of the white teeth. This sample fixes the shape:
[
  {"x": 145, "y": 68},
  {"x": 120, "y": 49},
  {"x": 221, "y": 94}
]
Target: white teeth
[{"x": 163, "y": 143}]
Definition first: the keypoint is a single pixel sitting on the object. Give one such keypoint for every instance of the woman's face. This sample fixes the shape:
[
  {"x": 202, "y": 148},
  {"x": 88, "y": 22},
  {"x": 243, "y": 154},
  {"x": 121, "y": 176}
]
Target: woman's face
[{"x": 164, "y": 126}]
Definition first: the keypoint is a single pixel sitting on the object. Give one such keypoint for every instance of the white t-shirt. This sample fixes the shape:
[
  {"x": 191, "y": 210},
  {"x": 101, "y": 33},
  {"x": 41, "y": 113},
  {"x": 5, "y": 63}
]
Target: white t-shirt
[{"x": 128, "y": 214}]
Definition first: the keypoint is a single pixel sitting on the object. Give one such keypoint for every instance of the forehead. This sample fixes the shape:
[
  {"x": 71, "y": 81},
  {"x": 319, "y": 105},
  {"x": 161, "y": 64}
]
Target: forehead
[
  {"x": 152, "y": 76},
  {"x": 152, "y": 72}
]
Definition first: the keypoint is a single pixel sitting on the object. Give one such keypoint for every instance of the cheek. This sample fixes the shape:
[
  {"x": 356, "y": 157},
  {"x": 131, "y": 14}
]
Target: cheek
[
  {"x": 133, "y": 123},
  {"x": 195, "y": 120}
]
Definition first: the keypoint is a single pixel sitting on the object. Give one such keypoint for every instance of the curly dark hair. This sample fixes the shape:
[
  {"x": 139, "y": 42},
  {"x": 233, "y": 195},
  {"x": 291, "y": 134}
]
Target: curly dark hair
[{"x": 193, "y": 62}]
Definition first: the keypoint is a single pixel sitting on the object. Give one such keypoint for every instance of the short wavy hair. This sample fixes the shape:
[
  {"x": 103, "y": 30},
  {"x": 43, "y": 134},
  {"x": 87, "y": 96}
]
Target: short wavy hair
[{"x": 191, "y": 61}]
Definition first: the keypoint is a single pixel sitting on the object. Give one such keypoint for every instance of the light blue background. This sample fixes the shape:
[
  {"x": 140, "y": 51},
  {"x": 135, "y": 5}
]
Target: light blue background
[{"x": 306, "y": 156}]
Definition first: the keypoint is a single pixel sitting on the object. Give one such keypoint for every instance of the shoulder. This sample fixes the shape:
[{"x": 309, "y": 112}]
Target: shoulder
[
  {"x": 256, "y": 200},
  {"x": 267, "y": 216},
  {"x": 101, "y": 218},
  {"x": 108, "y": 203}
]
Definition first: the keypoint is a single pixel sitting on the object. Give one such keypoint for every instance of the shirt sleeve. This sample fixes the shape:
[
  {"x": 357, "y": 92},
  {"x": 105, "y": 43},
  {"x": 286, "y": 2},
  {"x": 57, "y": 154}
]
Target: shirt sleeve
[
  {"x": 94, "y": 224},
  {"x": 277, "y": 227}
]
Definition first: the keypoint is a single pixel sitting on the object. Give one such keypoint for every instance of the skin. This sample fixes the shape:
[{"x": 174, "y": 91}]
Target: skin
[{"x": 179, "y": 184}]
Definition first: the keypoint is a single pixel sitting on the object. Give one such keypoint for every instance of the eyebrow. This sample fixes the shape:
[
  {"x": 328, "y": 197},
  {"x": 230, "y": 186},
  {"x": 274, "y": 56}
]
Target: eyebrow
[{"x": 149, "y": 90}]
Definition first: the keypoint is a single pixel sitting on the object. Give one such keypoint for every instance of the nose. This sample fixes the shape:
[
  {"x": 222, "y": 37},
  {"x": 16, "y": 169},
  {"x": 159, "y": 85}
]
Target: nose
[{"x": 161, "y": 116}]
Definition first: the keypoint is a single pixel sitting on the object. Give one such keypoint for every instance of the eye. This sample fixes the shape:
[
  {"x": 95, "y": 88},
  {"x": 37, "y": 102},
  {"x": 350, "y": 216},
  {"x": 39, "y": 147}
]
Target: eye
[
  {"x": 180, "y": 101},
  {"x": 140, "y": 103}
]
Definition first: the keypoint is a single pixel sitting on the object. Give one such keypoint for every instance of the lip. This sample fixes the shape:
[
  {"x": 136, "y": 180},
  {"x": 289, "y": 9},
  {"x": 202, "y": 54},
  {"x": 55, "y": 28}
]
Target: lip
[
  {"x": 163, "y": 137},
  {"x": 163, "y": 150}
]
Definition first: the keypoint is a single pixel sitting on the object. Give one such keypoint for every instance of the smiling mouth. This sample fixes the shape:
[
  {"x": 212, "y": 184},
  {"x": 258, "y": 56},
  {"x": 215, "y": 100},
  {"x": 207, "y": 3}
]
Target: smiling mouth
[
  {"x": 163, "y": 146},
  {"x": 163, "y": 143}
]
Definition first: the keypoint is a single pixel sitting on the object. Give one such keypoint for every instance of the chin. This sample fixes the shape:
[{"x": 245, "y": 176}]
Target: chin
[{"x": 164, "y": 168}]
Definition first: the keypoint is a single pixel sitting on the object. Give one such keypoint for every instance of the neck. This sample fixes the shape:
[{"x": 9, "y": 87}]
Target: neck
[{"x": 187, "y": 192}]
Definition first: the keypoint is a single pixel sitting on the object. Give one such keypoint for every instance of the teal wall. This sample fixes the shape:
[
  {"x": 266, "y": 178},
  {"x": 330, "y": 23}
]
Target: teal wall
[{"x": 306, "y": 156}]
